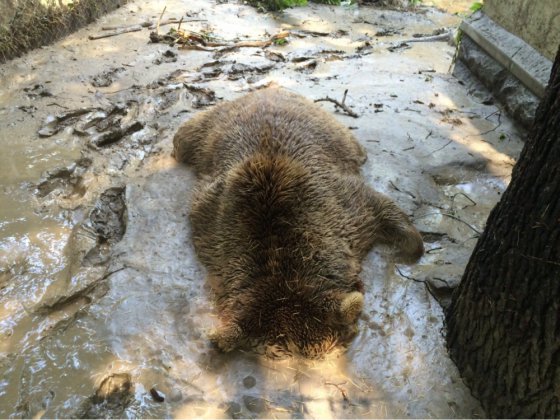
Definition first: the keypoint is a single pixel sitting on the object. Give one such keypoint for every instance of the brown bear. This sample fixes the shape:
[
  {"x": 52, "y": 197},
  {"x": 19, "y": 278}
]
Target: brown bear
[{"x": 282, "y": 219}]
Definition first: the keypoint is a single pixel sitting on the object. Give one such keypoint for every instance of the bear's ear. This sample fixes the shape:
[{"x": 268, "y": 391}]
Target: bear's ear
[
  {"x": 351, "y": 305},
  {"x": 226, "y": 337}
]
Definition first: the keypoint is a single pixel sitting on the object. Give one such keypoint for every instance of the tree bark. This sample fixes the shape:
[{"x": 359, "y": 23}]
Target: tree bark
[{"x": 503, "y": 327}]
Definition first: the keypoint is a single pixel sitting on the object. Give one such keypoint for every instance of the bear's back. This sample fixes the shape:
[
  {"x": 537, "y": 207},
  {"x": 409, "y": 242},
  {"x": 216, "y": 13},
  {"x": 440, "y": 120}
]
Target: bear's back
[{"x": 271, "y": 121}]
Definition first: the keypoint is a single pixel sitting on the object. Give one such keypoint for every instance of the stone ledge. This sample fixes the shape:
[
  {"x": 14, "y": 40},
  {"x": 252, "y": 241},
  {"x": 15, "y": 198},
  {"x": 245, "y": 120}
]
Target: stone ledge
[
  {"x": 514, "y": 72},
  {"x": 514, "y": 54}
]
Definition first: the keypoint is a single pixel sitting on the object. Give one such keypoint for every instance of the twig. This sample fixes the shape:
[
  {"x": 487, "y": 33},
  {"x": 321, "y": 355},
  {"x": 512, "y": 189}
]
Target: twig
[
  {"x": 113, "y": 28},
  {"x": 305, "y": 32},
  {"x": 464, "y": 195},
  {"x": 122, "y": 90},
  {"x": 426, "y": 284},
  {"x": 401, "y": 191},
  {"x": 160, "y": 17},
  {"x": 55, "y": 104},
  {"x": 342, "y": 390},
  {"x": 462, "y": 221},
  {"x": 492, "y": 129},
  {"x": 494, "y": 113},
  {"x": 339, "y": 104},
  {"x": 408, "y": 277},
  {"x": 115, "y": 33},
  {"x": 451, "y": 217},
  {"x": 110, "y": 273},
  {"x": 442, "y": 147},
  {"x": 437, "y": 248},
  {"x": 498, "y": 125}
]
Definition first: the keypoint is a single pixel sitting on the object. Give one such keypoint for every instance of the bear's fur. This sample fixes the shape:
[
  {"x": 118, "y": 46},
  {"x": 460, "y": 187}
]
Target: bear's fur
[{"x": 282, "y": 219}]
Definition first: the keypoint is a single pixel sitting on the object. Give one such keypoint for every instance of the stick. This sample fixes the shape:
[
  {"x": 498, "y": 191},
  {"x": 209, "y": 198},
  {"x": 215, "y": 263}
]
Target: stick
[
  {"x": 159, "y": 20},
  {"x": 442, "y": 147},
  {"x": 113, "y": 28},
  {"x": 451, "y": 217},
  {"x": 426, "y": 284},
  {"x": 339, "y": 104},
  {"x": 399, "y": 190},
  {"x": 115, "y": 33},
  {"x": 462, "y": 221}
]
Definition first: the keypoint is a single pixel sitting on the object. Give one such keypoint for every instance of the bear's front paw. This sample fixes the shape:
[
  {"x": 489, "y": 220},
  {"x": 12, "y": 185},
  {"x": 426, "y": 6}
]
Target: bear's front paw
[
  {"x": 226, "y": 338},
  {"x": 411, "y": 249}
]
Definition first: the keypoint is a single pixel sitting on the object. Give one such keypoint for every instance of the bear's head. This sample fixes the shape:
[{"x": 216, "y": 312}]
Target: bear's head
[{"x": 291, "y": 325}]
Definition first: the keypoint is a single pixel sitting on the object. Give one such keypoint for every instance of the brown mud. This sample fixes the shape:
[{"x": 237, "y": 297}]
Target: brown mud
[{"x": 104, "y": 310}]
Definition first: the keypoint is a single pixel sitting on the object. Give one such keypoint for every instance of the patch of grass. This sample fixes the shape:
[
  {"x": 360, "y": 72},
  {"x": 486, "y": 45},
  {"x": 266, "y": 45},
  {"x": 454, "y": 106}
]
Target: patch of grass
[
  {"x": 476, "y": 6},
  {"x": 38, "y": 22},
  {"x": 273, "y": 5}
]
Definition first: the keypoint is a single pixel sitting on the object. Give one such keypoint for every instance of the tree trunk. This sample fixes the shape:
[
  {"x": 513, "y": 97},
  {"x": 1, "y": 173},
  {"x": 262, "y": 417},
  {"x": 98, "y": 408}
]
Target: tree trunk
[{"x": 503, "y": 326}]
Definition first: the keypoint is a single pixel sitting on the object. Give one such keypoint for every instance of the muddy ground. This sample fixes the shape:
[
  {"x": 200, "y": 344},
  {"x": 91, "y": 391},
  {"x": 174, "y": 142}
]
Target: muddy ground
[{"x": 104, "y": 308}]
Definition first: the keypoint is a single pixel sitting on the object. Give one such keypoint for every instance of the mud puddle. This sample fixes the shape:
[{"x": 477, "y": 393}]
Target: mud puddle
[{"x": 104, "y": 307}]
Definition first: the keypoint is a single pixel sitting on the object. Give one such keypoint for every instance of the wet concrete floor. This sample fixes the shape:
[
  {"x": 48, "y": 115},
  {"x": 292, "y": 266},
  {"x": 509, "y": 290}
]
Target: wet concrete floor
[{"x": 104, "y": 310}]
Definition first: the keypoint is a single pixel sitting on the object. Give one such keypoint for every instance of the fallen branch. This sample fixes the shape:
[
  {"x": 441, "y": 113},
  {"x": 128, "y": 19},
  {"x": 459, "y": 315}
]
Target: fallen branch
[
  {"x": 341, "y": 105},
  {"x": 201, "y": 41},
  {"x": 144, "y": 24},
  {"x": 115, "y": 33}
]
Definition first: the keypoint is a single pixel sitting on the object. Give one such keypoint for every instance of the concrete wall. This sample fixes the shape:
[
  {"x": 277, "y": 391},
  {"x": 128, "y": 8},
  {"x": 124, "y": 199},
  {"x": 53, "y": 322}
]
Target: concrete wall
[{"x": 537, "y": 22}]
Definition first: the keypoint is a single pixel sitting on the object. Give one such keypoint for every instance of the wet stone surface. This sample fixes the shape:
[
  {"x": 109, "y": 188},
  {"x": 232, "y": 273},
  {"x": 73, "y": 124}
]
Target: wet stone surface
[{"x": 104, "y": 308}]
